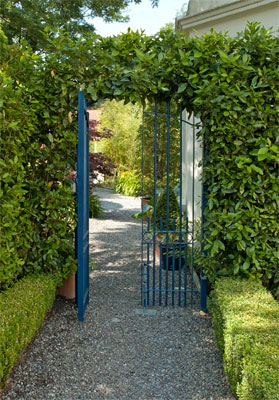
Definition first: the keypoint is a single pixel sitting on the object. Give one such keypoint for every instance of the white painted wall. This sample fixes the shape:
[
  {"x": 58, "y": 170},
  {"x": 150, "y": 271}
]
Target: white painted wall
[
  {"x": 191, "y": 171},
  {"x": 231, "y": 18}
]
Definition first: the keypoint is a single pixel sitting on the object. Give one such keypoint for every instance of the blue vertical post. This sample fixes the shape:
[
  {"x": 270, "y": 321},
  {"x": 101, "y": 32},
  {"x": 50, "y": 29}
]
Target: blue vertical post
[
  {"x": 155, "y": 195},
  {"x": 203, "y": 280},
  {"x": 82, "y": 235},
  {"x": 193, "y": 207},
  {"x": 180, "y": 203},
  {"x": 168, "y": 200},
  {"x": 143, "y": 269}
]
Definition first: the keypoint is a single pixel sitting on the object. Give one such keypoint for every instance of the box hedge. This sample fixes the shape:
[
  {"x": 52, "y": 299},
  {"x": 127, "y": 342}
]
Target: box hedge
[
  {"x": 22, "y": 311},
  {"x": 246, "y": 323}
]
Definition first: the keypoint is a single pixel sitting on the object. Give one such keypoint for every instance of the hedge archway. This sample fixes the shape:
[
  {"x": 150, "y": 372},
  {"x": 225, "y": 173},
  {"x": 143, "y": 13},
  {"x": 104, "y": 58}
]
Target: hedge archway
[{"x": 232, "y": 84}]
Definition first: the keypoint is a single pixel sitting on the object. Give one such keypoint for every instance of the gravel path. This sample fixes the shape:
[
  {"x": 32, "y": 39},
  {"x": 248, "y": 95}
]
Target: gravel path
[{"x": 118, "y": 353}]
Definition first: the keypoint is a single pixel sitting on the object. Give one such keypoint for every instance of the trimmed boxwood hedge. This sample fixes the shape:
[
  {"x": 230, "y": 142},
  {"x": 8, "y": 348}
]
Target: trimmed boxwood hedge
[
  {"x": 245, "y": 319},
  {"x": 22, "y": 311}
]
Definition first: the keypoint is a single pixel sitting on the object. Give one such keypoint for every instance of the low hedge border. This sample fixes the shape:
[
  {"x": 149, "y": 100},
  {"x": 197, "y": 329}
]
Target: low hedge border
[
  {"x": 22, "y": 311},
  {"x": 245, "y": 319}
]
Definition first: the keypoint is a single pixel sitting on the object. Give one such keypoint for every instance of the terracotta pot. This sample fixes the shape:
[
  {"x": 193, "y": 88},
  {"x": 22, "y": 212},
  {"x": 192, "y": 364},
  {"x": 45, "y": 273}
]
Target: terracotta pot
[{"x": 68, "y": 288}]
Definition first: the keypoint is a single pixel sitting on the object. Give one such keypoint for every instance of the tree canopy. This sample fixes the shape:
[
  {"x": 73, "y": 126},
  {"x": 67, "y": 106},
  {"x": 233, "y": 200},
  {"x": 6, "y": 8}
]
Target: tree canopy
[{"x": 27, "y": 19}]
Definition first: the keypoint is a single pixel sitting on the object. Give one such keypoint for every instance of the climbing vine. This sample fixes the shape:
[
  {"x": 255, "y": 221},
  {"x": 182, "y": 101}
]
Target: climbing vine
[{"x": 232, "y": 84}]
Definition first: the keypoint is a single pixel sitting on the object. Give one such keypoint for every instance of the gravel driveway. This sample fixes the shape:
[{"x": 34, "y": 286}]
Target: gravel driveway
[{"x": 118, "y": 352}]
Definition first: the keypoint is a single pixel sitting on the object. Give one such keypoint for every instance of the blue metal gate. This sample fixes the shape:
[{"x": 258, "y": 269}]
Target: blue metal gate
[
  {"x": 172, "y": 223},
  {"x": 82, "y": 235}
]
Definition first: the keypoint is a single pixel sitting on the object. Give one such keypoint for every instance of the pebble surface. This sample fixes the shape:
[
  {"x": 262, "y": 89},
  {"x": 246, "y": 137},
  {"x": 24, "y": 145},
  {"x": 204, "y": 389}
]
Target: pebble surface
[{"x": 120, "y": 352}]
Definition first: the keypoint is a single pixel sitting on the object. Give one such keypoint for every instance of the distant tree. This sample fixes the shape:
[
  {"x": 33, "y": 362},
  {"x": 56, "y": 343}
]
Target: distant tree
[
  {"x": 27, "y": 19},
  {"x": 124, "y": 122},
  {"x": 161, "y": 145},
  {"x": 99, "y": 163}
]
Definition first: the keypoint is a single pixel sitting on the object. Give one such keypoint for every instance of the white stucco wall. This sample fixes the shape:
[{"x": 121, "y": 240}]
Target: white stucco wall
[
  {"x": 191, "y": 171},
  {"x": 231, "y": 18}
]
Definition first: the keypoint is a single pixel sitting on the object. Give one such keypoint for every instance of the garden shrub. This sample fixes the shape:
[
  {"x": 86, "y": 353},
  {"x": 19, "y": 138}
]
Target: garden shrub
[
  {"x": 128, "y": 183},
  {"x": 245, "y": 319},
  {"x": 240, "y": 131},
  {"x": 37, "y": 145},
  {"x": 164, "y": 221},
  {"x": 22, "y": 311},
  {"x": 95, "y": 208}
]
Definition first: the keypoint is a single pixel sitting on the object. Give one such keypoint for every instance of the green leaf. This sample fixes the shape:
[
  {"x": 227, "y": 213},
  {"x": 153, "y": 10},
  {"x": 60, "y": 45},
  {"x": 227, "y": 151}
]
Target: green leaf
[
  {"x": 13, "y": 125},
  {"x": 245, "y": 58},
  {"x": 181, "y": 87},
  {"x": 246, "y": 265},
  {"x": 160, "y": 57},
  {"x": 117, "y": 92},
  {"x": 257, "y": 169},
  {"x": 50, "y": 137},
  {"x": 263, "y": 150}
]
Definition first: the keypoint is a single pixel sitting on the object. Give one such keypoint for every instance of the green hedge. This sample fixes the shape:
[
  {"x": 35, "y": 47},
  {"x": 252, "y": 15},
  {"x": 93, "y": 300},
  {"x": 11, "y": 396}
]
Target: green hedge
[
  {"x": 37, "y": 146},
  {"x": 22, "y": 311},
  {"x": 245, "y": 319},
  {"x": 231, "y": 84}
]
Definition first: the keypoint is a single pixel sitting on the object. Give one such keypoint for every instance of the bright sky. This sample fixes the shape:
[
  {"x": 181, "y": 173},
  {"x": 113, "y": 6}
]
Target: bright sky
[{"x": 142, "y": 16}]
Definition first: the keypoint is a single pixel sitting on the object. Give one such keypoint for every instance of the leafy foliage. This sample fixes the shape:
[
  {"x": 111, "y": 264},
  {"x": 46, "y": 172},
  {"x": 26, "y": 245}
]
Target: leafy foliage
[
  {"x": 163, "y": 145},
  {"x": 232, "y": 84},
  {"x": 240, "y": 130},
  {"x": 122, "y": 146},
  {"x": 128, "y": 183},
  {"x": 28, "y": 19},
  {"x": 99, "y": 163},
  {"x": 37, "y": 148},
  {"x": 167, "y": 211},
  {"x": 95, "y": 208},
  {"x": 245, "y": 320}
]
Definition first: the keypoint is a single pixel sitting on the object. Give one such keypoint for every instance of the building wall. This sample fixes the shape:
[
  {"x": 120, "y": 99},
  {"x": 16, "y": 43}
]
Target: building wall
[
  {"x": 231, "y": 18},
  {"x": 191, "y": 176}
]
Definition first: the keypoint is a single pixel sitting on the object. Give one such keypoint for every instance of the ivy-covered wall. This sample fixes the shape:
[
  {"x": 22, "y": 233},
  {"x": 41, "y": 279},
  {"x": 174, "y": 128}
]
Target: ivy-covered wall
[{"x": 232, "y": 84}]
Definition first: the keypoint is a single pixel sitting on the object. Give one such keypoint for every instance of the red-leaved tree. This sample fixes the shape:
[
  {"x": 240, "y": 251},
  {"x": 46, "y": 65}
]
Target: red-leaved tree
[{"x": 99, "y": 163}]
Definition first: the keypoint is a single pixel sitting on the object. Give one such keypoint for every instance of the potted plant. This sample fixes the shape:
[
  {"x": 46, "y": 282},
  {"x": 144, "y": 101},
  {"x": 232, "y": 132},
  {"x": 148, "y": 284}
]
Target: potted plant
[{"x": 168, "y": 249}]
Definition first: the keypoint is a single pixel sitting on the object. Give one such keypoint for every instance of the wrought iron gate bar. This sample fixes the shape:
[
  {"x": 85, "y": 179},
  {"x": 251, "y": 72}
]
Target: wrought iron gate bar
[
  {"x": 155, "y": 194},
  {"x": 197, "y": 125},
  {"x": 180, "y": 199},
  {"x": 168, "y": 242},
  {"x": 196, "y": 291},
  {"x": 193, "y": 202}
]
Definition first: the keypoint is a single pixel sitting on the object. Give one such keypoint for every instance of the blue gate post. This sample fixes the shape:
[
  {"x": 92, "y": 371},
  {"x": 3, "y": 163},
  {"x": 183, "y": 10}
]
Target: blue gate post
[
  {"x": 82, "y": 236},
  {"x": 203, "y": 279}
]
